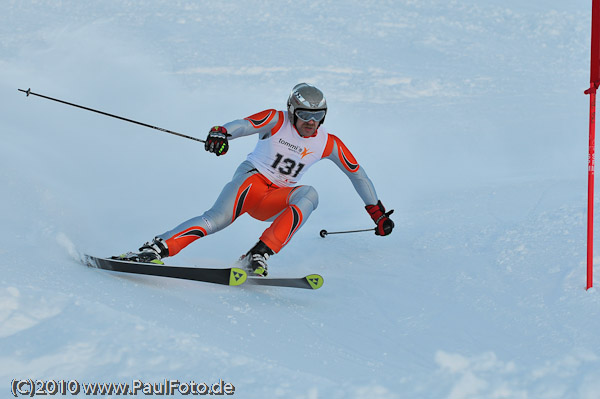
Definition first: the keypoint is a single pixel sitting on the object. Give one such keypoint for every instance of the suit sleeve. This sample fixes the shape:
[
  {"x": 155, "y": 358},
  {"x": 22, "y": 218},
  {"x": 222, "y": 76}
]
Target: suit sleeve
[
  {"x": 263, "y": 123},
  {"x": 336, "y": 151}
]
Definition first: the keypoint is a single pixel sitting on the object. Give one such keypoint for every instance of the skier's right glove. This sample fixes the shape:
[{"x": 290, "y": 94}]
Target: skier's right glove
[
  {"x": 216, "y": 141},
  {"x": 381, "y": 218}
]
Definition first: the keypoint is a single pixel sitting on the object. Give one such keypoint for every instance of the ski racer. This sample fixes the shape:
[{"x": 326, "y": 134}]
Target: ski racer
[{"x": 265, "y": 184}]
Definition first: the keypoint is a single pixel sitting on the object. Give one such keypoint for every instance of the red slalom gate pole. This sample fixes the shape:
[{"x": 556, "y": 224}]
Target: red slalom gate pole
[
  {"x": 594, "y": 83},
  {"x": 591, "y": 165}
]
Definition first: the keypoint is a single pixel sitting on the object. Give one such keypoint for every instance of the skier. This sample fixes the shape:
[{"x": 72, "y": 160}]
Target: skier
[{"x": 264, "y": 185}]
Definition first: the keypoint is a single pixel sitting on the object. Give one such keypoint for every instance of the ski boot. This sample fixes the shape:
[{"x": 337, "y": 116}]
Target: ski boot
[
  {"x": 151, "y": 252},
  {"x": 255, "y": 261}
]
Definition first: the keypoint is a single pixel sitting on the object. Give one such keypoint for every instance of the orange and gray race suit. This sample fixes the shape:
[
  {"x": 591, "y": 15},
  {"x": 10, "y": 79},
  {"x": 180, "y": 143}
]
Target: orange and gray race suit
[{"x": 265, "y": 184}]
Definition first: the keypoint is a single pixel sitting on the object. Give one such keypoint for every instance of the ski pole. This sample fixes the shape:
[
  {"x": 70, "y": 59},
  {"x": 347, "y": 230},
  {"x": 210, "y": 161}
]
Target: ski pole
[
  {"x": 28, "y": 92},
  {"x": 324, "y": 232}
]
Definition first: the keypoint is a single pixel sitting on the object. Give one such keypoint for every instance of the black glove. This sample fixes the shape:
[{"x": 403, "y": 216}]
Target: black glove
[
  {"x": 216, "y": 141},
  {"x": 381, "y": 218}
]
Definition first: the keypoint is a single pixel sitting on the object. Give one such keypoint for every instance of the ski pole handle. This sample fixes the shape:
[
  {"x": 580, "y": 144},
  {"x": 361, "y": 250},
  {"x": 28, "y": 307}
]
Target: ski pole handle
[{"x": 323, "y": 233}]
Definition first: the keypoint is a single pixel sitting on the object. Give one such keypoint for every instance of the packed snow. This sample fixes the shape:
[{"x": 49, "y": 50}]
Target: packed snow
[{"x": 468, "y": 116}]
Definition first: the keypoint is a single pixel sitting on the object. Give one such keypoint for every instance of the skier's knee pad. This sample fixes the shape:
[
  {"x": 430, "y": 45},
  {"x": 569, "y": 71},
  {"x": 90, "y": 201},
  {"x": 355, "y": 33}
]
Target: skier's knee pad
[
  {"x": 305, "y": 193},
  {"x": 215, "y": 220}
]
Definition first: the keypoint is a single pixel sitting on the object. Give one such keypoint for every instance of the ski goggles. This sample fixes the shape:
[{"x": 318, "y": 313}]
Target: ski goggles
[{"x": 306, "y": 115}]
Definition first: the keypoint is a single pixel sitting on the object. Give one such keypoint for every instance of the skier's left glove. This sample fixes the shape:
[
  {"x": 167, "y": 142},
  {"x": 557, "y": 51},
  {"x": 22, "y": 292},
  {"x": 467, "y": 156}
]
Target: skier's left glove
[
  {"x": 381, "y": 218},
  {"x": 216, "y": 141}
]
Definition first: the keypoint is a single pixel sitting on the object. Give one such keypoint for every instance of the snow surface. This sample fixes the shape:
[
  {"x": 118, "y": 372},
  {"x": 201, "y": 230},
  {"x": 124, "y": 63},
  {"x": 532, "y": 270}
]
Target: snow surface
[{"x": 469, "y": 116}]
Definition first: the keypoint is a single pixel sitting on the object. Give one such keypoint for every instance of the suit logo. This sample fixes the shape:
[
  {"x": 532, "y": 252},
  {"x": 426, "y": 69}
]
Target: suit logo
[{"x": 305, "y": 152}]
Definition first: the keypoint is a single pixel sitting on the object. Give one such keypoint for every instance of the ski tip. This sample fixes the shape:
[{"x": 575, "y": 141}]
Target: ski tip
[
  {"x": 237, "y": 276},
  {"x": 315, "y": 281},
  {"x": 89, "y": 261}
]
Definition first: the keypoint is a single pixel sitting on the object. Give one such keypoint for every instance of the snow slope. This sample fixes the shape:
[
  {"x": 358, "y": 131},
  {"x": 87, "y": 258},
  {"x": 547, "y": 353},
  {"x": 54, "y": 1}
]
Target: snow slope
[{"x": 469, "y": 117}]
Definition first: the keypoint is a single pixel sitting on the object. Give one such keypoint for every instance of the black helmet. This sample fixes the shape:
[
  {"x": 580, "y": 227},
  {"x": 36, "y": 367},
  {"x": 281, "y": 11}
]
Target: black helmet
[{"x": 306, "y": 97}]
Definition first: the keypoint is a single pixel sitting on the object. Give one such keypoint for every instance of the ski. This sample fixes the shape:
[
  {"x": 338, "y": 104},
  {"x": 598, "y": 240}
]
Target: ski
[
  {"x": 229, "y": 276},
  {"x": 311, "y": 282}
]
